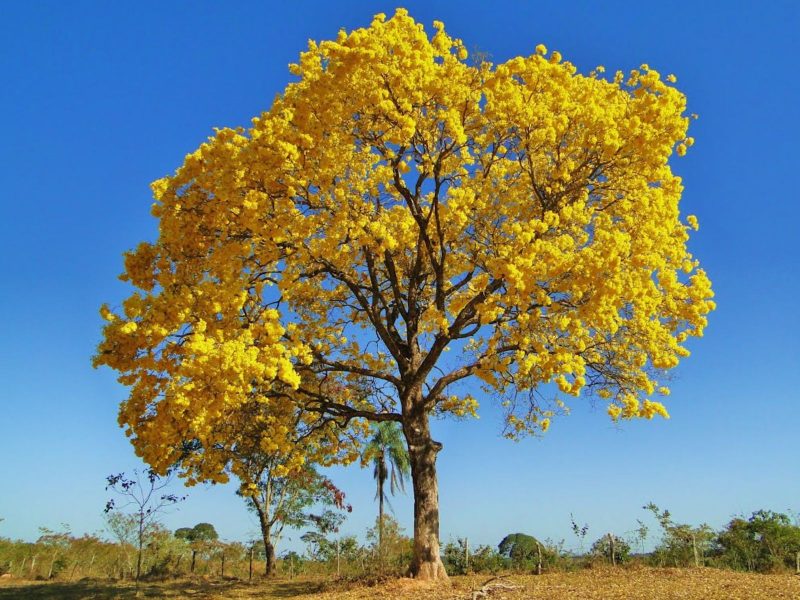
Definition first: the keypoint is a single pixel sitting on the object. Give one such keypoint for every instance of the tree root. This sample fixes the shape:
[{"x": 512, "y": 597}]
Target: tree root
[{"x": 489, "y": 587}]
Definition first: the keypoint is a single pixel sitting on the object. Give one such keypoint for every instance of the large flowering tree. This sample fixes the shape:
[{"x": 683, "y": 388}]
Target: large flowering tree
[{"x": 397, "y": 201}]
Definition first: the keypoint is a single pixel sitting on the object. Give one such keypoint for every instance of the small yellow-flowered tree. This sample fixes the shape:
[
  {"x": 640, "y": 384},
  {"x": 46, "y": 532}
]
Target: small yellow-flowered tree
[{"x": 397, "y": 201}]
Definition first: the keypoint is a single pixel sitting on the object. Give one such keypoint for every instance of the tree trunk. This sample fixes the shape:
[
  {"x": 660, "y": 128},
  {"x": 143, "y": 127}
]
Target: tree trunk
[
  {"x": 266, "y": 536},
  {"x": 426, "y": 563},
  {"x": 380, "y": 522},
  {"x": 194, "y": 556},
  {"x": 269, "y": 555},
  {"x": 139, "y": 554}
]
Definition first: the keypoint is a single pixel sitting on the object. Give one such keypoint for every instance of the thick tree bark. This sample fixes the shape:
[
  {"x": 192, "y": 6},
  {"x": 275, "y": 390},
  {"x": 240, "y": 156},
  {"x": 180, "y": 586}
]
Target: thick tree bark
[
  {"x": 269, "y": 547},
  {"x": 269, "y": 566},
  {"x": 427, "y": 563}
]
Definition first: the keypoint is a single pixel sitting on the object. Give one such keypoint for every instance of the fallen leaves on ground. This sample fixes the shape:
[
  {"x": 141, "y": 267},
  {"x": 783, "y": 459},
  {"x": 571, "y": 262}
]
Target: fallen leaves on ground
[{"x": 591, "y": 584}]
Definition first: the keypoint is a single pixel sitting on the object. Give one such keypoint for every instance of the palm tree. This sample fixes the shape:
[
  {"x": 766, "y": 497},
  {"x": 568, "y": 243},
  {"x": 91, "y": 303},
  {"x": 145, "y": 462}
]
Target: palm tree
[{"x": 387, "y": 451}]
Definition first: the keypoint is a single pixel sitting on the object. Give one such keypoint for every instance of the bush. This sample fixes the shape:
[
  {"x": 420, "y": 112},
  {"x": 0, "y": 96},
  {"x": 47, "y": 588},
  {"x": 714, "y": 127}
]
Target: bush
[
  {"x": 602, "y": 549},
  {"x": 524, "y": 552},
  {"x": 767, "y": 541},
  {"x": 486, "y": 559},
  {"x": 482, "y": 559}
]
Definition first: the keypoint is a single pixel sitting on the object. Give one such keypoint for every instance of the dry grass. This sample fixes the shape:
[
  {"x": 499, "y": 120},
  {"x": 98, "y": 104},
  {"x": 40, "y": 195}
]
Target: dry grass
[{"x": 600, "y": 584}]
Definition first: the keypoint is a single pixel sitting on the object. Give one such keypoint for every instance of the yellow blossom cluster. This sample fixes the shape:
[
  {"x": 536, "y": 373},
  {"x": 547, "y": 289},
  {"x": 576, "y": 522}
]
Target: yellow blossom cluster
[{"x": 396, "y": 199}]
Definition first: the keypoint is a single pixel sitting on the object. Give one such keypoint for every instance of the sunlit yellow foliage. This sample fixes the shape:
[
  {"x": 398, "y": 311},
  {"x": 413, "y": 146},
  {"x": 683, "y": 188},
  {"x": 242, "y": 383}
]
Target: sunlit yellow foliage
[{"x": 397, "y": 200}]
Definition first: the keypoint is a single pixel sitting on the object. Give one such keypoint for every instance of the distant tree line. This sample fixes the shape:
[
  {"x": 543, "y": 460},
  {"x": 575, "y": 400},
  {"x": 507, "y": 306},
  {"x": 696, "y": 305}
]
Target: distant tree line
[{"x": 766, "y": 541}]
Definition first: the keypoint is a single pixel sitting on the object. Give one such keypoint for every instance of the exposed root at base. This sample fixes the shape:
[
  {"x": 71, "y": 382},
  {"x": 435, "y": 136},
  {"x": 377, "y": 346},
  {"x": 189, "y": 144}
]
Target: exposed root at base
[{"x": 429, "y": 571}]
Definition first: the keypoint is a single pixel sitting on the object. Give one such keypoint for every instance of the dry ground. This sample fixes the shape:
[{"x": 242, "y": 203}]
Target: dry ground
[{"x": 599, "y": 584}]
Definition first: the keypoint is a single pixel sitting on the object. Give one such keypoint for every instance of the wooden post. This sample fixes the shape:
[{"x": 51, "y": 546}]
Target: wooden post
[
  {"x": 33, "y": 563},
  {"x": 250, "y": 574},
  {"x": 694, "y": 550},
  {"x": 466, "y": 555},
  {"x": 539, "y": 563},
  {"x": 611, "y": 550},
  {"x": 52, "y": 564}
]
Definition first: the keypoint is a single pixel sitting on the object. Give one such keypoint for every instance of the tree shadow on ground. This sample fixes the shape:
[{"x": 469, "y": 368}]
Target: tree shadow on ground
[
  {"x": 77, "y": 591},
  {"x": 290, "y": 589},
  {"x": 108, "y": 590}
]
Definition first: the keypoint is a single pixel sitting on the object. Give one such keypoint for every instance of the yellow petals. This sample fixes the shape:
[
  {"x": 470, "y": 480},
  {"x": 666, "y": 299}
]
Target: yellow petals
[
  {"x": 129, "y": 327},
  {"x": 396, "y": 201},
  {"x": 106, "y": 313},
  {"x": 650, "y": 409}
]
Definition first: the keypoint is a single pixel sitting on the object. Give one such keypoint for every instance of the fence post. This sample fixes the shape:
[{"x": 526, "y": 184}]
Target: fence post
[
  {"x": 612, "y": 549},
  {"x": 52, "y": 564},
  {"x": 539, "y": 563}
]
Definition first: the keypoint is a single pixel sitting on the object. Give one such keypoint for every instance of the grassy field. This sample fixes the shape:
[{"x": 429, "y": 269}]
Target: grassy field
[{"x": 605, "y": 584}]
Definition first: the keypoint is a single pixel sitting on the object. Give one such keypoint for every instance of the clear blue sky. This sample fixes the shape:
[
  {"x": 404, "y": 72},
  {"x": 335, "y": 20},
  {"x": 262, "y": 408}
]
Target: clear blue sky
[{"x": 98, "y": 99}]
